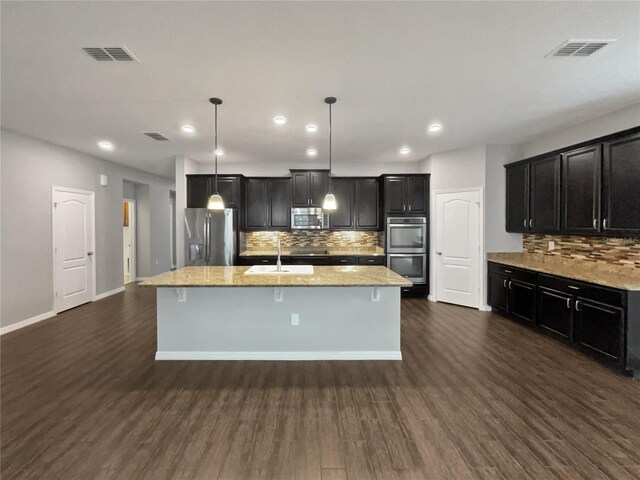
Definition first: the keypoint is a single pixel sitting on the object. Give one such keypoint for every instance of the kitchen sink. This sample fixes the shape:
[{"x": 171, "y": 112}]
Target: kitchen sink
[{"x": 285, "y": 270}]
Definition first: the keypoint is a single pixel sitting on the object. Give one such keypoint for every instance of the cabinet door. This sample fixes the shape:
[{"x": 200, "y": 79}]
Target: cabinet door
[
  {"x": 555, "y": 312},
  {"x": 367, "y": 203},
  {"x": 621, "y": 186},
  {"x": 416, "y": 195},
  {"x": 198, "y": 191},
  {"x": 544, "y": 197},
  {"x": 581, "y": 190},
  {"x": 343, "y": 260},
  {"x": 256, "y": 208},
  {"x": 599, "y": 328},
  {"x": 279, "y": 191},
  {"x": 522, "y": 300},
  {"x": 318, "y": 187},
  {"x": 395, "y": 195},
  {"x": 301, "y": 189},
  {"x": 342, "y": 217},
  {"x": 517, "y": 198},
  {"x": 378, "y": 260},
  {"x": 498, "y": 295},
  {"x": 229, "y": 190}
]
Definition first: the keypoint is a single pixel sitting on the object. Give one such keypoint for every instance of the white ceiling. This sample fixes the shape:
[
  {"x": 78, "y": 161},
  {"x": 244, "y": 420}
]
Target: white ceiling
[{"x": 478, "y": 68}]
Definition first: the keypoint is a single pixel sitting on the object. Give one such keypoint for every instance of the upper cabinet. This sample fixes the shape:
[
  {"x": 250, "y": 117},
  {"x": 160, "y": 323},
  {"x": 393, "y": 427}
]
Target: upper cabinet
[
  {"x": 621, "y": 186},
  {"x": 309, "y": 187},
  {"x": 358, "y": 204},
  {"x": 201, "y": 187},
  {"x": 343, "y": 217},
  {"x": 267, "y": 204},
  {"x": 406, "y": 194},
  {"x": 581, "y": 190},
  {"x": 589, "y": 190},
  {"x": 533, "y": 195}
]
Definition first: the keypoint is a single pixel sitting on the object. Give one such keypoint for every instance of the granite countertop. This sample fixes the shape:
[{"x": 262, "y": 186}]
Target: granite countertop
[
  {"x": 333, "y": 252},
  {"x": 624, "y": 278},
  {"x": 343, "y": 276}
]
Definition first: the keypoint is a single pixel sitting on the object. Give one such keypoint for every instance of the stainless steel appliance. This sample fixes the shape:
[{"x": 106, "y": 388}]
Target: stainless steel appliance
[
  {"x": 308, "y": 218},
  {"x": 211, "y": 236},
  {"x": 406, "y": 245}
]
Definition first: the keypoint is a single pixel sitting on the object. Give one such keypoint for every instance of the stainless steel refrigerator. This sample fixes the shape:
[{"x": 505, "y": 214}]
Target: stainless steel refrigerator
[{"x": 211, "y": 236}]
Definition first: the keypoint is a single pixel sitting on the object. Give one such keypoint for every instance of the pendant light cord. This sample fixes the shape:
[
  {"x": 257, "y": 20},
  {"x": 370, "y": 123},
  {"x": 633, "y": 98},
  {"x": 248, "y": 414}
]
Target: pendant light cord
[
  {"x": 330, "y": 183},
  {"x": 215, "y": 151}
]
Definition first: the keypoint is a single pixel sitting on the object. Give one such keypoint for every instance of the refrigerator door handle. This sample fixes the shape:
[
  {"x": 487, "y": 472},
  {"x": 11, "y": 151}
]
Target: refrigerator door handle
[{"x": 206, "y": 238}]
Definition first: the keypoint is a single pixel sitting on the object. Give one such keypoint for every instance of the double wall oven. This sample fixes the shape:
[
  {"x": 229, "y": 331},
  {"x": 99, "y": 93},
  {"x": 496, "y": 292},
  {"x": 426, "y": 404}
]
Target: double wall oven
[{"x": 406, "y": 239}]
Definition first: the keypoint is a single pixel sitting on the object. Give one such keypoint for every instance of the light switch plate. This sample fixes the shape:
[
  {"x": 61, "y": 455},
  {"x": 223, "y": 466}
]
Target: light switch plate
[{"x": 295, "y": 319}]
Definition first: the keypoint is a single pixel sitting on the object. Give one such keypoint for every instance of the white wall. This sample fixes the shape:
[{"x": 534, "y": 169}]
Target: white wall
[
  {"x": 30, "y": 167},
  {"x": 598, "y": 127}
]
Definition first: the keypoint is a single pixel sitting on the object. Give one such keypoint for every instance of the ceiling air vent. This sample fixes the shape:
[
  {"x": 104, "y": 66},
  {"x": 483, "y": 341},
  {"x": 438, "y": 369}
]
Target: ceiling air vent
[
  {"x": 109, "y": 54},
  {"x": 579, "y": 48},
  {"x": 157, "y": 136}
]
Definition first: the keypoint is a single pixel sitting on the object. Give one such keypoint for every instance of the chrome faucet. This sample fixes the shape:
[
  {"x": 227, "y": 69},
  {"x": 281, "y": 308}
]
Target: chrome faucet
[{"x": 279, "y": 263}]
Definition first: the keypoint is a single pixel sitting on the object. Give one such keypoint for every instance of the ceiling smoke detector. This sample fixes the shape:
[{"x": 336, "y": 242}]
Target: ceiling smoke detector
[
  {"x": 110, "y": 54},
  {"x": 579, "y": 48},
  {"x": 156, "y": 136}
]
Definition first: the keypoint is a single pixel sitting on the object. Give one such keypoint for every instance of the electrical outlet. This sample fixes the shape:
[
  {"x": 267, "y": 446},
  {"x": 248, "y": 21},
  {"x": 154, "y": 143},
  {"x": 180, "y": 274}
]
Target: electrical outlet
[
  {"x": 552, "y": 245},
  {"x": 295, "y": 319}
]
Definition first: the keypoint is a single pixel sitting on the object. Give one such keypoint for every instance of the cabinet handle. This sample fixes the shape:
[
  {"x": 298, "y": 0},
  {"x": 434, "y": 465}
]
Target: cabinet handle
[
  {"x": 509, "y": 284},
  {"x": 507, "y": 271},
  {"x": 505, "y": 283},
  {"x": 531, "y": 223},
  {"x": 525, "y": 223},
  {"x": 343, "y": 261},
  {"x": 569, "y": 303},
  {"x": 577, "y": 305},
  {"x": 605, "y": 224},
  {"x": 573, "y": 288},
  {"x": 595, "y": 223}
]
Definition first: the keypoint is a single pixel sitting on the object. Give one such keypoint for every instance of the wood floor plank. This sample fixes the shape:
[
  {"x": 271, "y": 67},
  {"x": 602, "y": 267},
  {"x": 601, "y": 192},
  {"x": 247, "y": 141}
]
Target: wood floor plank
[{"x": 477, "y": 396}]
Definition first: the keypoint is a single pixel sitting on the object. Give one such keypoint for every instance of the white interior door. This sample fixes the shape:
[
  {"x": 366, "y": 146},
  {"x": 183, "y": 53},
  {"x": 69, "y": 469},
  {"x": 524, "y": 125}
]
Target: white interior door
[
  {"x": 457, "y": 259},
  {"x": 73, "y": 248}
]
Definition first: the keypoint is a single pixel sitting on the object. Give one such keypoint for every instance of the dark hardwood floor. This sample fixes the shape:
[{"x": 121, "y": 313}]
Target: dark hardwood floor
[{"x": 476, "y": 397}]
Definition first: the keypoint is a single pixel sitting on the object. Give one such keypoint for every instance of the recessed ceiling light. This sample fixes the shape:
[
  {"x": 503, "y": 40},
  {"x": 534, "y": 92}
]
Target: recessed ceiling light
[
  {"x": 279, "y": 120},
  {"x": 188, "y": 129},
  {"x": 311, "y": 128},
  {"x": 435, "y": 127},
  {"x": 219, "y": 152},
  {"x": 405, "y": 151},
  {"x": 311, "y": 152},
  {"x": 107, "y": 146}
]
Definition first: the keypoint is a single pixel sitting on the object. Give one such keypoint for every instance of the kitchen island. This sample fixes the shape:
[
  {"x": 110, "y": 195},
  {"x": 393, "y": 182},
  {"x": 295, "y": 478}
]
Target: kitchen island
[{"x": 223, "y": 313}]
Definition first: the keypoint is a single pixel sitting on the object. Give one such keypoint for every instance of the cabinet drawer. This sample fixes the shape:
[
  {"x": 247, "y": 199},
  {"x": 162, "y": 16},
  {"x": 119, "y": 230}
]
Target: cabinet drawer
[
  {"x": 615, "y": 298},
  {"x": 343, "y": 261},
  {"x": 381, "y": 260},
  {"x": 305, "y": 260},
  {"x": 258, "y": 260},
  {"x": 513, "y": 273}
]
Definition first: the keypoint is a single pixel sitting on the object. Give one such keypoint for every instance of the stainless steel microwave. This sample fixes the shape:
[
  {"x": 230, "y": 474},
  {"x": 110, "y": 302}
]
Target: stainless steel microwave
[{"x": 308, "y": 219}]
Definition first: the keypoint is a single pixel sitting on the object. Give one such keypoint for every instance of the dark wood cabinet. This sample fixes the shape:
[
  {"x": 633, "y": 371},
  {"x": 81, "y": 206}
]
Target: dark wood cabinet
[
  {"x": 406, "y": 194},
  {"x": 581, "y": 190},
  {"x": 517, "y": 197},
  {"x": 621, "y": 186},
  {"x": 555, "y": 312},
  {"x": 498, "y": 293},
  {"x": 343, "y": 261},
  {"x": 201, "y": 187},
  {"x": 544, "y": 195},
  {"x": 512, "y": 291},
  {"x": 309, "y": 187},
  {"x": 267, "y": 204},
  {"x": 367, "y": 201},
  {"x": 377, "y": 260},
  {"x": 522, "y": 300},
  {"x": 343, "y": 217},
  {"x": 599, "y": 328}
]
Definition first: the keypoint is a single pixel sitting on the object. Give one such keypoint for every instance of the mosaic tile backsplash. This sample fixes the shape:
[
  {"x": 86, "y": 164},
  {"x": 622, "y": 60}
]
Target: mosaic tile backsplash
[
  {"x": 308, "y": 238},
  {"x": 617, "y": 251}
]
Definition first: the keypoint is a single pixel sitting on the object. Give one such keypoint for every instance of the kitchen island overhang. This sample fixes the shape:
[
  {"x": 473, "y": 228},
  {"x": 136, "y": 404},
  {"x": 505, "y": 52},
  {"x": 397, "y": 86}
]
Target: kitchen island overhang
[{"x": 220, "y": 313}]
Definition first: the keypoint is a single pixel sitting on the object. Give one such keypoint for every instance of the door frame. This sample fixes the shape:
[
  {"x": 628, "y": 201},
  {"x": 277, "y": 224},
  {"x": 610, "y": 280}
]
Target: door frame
[
  {"x": 134, "y": 232},
  {"x": 433, "y": 295},
  {"x": 92, "y": 227}
]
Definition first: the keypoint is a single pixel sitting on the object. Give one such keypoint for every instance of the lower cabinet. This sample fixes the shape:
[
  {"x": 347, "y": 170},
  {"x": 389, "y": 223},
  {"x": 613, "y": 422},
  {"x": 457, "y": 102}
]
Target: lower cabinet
[{"x": 600, "y": 321}]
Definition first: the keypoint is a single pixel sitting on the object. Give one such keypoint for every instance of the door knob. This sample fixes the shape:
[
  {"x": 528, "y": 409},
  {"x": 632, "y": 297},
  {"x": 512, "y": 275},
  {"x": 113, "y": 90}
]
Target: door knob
[
  {"x": 438, "y": 253},
  {"x": 89, "y": 253}
]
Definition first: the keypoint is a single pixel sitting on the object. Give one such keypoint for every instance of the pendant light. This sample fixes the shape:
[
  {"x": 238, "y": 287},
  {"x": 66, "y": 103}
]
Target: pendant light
[
  {"x": 215, "y": 200},
  {"x": 330, "y": 199}
]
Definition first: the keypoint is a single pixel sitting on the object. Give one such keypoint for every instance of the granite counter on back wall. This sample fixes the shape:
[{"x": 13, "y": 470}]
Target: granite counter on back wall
[{"x": 600, "y": 273}]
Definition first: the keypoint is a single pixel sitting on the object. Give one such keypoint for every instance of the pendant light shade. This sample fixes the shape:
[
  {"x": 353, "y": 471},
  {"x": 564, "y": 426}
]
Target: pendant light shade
[
  {"x": 330, "y": 199},
  {"x": 215, "y": 200}
]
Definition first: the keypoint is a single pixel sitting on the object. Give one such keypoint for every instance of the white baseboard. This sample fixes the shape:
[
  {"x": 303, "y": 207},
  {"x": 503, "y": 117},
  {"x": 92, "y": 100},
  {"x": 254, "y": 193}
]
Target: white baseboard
[
  {"x": 431, "y": 298},
  {"x": 485, "y": 308},
  {"x": 109, "y": 293},
  {"x": 27, "y": 322},
  {"x": 141, "y": 279},
  {"x": 349, "y": 355}
]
